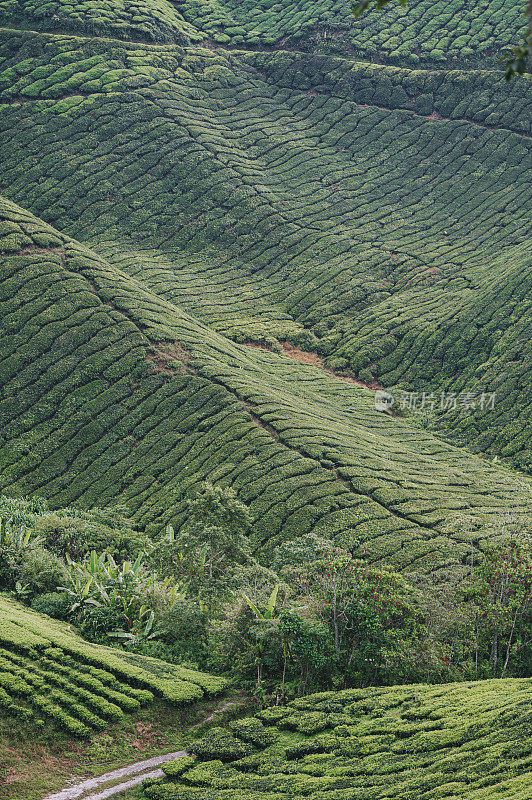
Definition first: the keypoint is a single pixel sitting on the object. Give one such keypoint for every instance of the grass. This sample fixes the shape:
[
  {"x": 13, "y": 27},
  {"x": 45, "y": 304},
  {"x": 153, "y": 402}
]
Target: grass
[{"x": 460, "y": 740}]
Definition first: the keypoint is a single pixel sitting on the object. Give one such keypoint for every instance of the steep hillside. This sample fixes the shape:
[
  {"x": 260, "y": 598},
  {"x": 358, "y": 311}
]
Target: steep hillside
[
  {"x": 231, "y": 227},
  {"x": 50, "y": 675},
  {"x": 112, "y": 393},
  {"x": 375, "y": 215},
  {"x": 468, "y": 740},
  {"x": 438, "y": 33}
]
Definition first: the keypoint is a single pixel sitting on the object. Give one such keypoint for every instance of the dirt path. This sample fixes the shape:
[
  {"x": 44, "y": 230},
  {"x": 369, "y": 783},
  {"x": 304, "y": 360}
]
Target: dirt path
[
  {"x": 135, "y": 773},
  {"x": 140, "y": 770},
  {"x": 307, "y": 357}
]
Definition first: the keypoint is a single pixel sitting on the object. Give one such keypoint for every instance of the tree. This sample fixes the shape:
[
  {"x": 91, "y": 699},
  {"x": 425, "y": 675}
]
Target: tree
[
  {"x": 213, "y": 542},
  {"x": 307, "y": 645},
  {"x": 516, "y": 61},
  {"x": 266, "y": 622},
  {"x": 377, "y": 627},
  {"x": 501, "y": 600}
]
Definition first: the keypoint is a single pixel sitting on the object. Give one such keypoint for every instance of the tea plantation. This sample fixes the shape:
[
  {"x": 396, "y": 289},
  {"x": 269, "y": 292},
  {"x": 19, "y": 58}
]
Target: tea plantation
[
  {"x": 111, "y": 393},
  {"x": 48, "y": 674},
  {"x": 424, "y": 33},
  {"x": 204, "y": 199},
  {"x": 223, "y": 226},
  {"x": 376, "y": 215},
  {"x": 471, "y": 740}
]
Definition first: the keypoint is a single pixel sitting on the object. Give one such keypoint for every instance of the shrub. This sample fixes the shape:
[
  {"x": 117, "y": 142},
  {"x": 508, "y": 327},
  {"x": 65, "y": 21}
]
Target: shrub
[
  {"x": 54, "y": 604},
  {"x": 76, "y": 533},
  {"x": 252, "y": 730},
  {"x": 220, "y": 744},
  {"x": 41, "y": 570},
  {"x": 178, "y": 765}
]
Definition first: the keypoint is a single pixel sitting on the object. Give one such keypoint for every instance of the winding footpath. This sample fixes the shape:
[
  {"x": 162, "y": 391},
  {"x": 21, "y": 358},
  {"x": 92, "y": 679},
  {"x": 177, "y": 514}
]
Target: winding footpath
[
  {"x": 140, "y": 770},
  {"x": 150, "y": 768}
]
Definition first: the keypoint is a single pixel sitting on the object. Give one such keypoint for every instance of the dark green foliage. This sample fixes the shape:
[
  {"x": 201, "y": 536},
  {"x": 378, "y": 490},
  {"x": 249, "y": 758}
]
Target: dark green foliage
[
  {"x": 500, "y": 599},
  {"x": 252, "y": 730},
  {"x": 437, "y": 33},
  {"x": 155, "y": 20},
  {"x": 184, "y": 626},
  {"x": 219, "y": 743},
  {"x": 77, "y": 533},
  {"x": 54, "y": 604}
]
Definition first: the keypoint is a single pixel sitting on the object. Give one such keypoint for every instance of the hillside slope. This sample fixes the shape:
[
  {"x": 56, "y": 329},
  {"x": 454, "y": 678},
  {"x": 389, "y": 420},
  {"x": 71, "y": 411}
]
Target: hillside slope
[
  {"x": 48, "y": 675},
  {"x": 468, "y": 740},
  {"x": 233, "y": 226},
  {"x": 376, "y": 215},
  {"x": 112, "y": 393},
  {"x": 428, "y": 33}
]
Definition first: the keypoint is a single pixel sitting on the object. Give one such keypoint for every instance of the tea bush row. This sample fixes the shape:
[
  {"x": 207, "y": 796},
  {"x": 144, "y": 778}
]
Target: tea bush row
[
  {"x": 59, "y": 676},
  {"x": 424, "y": 32},
  {"x": 289, "y": 437},
  {"x": 401, "y": 236},
  {"x": 450, "y": 741}
]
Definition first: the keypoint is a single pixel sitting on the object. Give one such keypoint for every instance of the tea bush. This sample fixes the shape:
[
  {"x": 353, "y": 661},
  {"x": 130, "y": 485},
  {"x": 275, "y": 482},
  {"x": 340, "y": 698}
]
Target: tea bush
[
  {"x": 59, "y": 676},
  {"x": 468, "y": 740}
]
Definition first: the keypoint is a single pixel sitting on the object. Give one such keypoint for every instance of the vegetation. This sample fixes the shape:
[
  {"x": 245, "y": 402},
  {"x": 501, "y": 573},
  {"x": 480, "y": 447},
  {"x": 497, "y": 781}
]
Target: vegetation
[
  {"x": 50, "y": 674},
  {"x": 421, "y": 32},
  {"x": 320, "y": 617},
  {"x": 460, "y": 740},
  {"x": 225, "y": 226},
  {"x": 34, "y": 761},
  {"x": 516, "y": 61},
  {"x": 120, "y": 413}
]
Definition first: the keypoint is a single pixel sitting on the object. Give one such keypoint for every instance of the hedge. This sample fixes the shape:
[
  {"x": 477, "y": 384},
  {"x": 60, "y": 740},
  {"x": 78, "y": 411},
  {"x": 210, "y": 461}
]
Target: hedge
[{"x": 53, "y": 674}]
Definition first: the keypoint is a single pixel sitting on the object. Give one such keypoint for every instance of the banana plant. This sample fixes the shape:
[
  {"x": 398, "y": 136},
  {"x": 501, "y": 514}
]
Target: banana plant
[
  {"x": 142, "y": 631},
  {"x": 264, "y": 617},
  {"x": 18, "y": 538},
  {"x": 22, "y": 591},
  {"x": 268, "y": 612},
  {"x": 79, "y": 591}
]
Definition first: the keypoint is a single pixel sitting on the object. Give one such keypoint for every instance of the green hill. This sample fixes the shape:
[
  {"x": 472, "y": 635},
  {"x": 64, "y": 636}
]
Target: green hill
[
  {"x": 231, "y": 227},
  {"x": 50, "y": 675},
  {"x": 469, "y": 740},
  {"x": 373, "y": 214},
  {"x": 113, "y": 393},
  {"x": 423, "y": 33}
]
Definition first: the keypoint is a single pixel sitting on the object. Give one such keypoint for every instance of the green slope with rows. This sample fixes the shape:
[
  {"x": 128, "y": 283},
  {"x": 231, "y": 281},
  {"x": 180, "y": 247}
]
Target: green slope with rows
[
  {"x": 425, "y": 32},
  {"x": 50, "y": 675},
  {"x": 181, "y": 214},
  {"x": 375, "y": 215},
  {"x": 470, "y": 740},
  {"x": 112, "y": 393}
]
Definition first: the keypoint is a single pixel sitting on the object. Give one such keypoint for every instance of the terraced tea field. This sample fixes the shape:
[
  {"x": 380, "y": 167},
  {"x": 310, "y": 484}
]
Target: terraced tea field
[
  {"x": 439, "y": 33},
  {"x": 468, "y": 740},
  {"x": 187, "y": 199},
  {"x": 48, "y": 674},
  {"x": 123, "y": 396}
]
